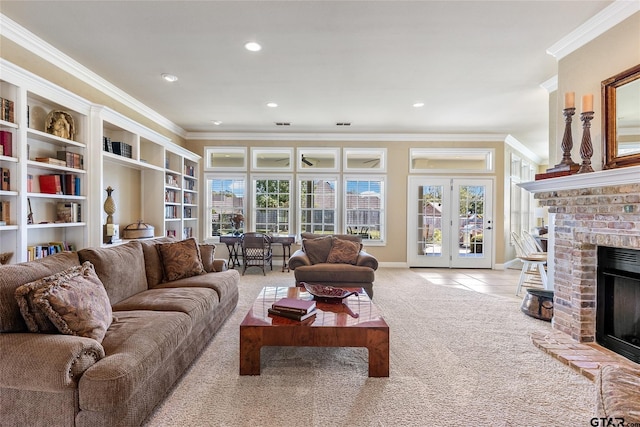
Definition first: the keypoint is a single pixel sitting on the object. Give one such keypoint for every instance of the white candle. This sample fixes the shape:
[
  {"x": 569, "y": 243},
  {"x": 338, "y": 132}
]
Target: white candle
[
  {"x": 587, "y": 102},
  {"x": 569, "y": 100}
]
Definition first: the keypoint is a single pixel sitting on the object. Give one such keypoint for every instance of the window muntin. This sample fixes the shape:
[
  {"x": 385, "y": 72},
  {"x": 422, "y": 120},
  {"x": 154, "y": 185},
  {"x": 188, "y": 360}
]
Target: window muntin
[
  {"x": 272, "y": 204},
  {"x": 364, "y": 206},
  {"x": 317, "y": 205},
  {"x": 225, "y": 198}
]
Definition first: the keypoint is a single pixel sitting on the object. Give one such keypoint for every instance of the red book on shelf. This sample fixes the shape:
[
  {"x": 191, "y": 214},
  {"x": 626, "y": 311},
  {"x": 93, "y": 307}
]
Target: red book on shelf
[
  {"x": 294, "y": 305},
  {"x": 50, "y": 184},
  {"x": 5, "y": 141}
]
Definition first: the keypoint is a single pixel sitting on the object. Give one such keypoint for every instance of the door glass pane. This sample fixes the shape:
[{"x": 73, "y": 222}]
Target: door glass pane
[
  {"x": 430, "y": 220},
  {"x": 471, "y": 220}
]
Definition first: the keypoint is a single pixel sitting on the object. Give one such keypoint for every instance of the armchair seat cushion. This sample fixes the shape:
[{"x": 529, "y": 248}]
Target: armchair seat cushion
[{"x": 334, "y": 273}]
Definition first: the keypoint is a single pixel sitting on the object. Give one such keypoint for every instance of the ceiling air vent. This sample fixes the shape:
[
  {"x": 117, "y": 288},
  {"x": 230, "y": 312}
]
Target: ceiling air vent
[
  {"x": 343, "y": 124},
  {"x": 283, "y": 124}
]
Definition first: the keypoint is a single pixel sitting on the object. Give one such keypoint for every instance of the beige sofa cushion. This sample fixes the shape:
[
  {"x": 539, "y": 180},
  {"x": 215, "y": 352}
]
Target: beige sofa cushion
[
  {"x": 207, "y": 253},
  {"x": 127, "y": 277},
  {"x": 75, "y": 301},
  {"x": 14, "y": 275}
]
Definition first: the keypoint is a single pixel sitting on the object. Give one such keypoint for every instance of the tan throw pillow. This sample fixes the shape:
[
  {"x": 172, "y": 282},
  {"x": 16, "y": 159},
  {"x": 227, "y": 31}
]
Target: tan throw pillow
[
  {"x": 181, "y": 259},
  {"x": 75, "y": 301},
  {"x": 344, "y": 252},
  {"x": 207, "y": 253},
  {"x": 317, "y": 249}
]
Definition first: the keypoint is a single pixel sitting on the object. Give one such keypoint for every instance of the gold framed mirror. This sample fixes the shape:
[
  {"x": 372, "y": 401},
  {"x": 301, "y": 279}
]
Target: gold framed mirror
[{"x": 621, "y": 119}]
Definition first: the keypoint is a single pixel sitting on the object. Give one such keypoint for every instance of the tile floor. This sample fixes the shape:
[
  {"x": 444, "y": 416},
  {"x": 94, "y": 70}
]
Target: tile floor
[{"x": 586, "y": 358}]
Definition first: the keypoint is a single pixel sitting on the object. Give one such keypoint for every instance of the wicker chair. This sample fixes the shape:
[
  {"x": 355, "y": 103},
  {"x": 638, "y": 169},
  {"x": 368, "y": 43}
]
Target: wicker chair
[{"x": 256, "y": 251}]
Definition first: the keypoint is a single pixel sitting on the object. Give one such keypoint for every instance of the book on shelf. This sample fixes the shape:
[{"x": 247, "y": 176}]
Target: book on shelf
[
  {"x": 50, "y": 184},
  {"x": 291, "y": 315},
  {"x": 5, "y": 140},
  {"x": 294, "y": 305},
  {"x": 68, "y": 212},
  {"x": 51, "y": 161},
  {"x": 29, "y": 183},
  {"x": 5, "y": 175},
  {"x": 7, "y": 110},
  {"x": 5, "y": 211},
  {"x": 71, "y": 160}
]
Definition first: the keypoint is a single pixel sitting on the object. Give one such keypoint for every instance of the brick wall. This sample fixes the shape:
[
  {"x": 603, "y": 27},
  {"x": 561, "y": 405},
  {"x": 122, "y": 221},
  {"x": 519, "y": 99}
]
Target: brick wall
[{"x": 585, "y": 219}]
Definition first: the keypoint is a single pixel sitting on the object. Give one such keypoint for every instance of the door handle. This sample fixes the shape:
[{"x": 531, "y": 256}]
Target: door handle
[{"x": 488, "y": 228}]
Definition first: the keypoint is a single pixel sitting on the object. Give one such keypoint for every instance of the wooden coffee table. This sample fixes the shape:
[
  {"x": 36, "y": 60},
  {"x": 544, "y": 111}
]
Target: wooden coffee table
[{"x": 356, "y": 322}]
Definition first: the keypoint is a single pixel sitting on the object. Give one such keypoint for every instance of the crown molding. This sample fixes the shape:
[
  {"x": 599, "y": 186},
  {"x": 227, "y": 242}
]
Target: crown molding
[
  {"x": 550, "y": 85},
  {"x": 512, "y": 142},
  {"x": 347, "y": 137},
  {"x": 603, "y": 21},
  {"x": 26, "y": 39}
]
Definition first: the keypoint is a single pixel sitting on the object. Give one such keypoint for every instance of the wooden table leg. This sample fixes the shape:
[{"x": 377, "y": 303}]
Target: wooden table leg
[
  {"x": 378, "y": 346},
  {"x": 250, "y": 345}
]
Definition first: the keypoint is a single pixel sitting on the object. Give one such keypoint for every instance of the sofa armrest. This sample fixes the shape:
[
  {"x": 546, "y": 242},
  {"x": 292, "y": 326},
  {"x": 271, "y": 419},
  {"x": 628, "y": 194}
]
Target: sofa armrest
[
  {"x": 365, "y": 259},
  {"x": 45, "y": 362},
  {"x": 298, "y": 259}
]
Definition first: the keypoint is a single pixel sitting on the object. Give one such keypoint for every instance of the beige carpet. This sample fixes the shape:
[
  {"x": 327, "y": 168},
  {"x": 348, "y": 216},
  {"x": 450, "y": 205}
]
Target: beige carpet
[{"x": 458, "y": 358}]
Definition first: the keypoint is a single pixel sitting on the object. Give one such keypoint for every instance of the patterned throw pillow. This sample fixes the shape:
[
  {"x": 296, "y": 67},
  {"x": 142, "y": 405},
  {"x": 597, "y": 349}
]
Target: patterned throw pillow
[
  {"x": 344, "y": 252},
  {"x": 317, "y": 249},
  {"x": 181, "y": 259},
  {"x": 74, "y": 300}
]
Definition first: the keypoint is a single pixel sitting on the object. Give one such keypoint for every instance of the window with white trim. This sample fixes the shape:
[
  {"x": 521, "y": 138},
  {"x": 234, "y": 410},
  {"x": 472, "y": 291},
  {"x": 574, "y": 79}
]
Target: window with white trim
[
  {"x": 364, "y": 199},
  {"x": 272, "y": 197},
  {"x": 225, "y": 198},
  {"x": 317, "y": 205}
]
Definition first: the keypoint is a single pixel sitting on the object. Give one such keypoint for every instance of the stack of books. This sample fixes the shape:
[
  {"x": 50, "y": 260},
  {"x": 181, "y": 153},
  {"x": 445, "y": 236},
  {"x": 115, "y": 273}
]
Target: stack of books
[{"x": 292, "y": 308}]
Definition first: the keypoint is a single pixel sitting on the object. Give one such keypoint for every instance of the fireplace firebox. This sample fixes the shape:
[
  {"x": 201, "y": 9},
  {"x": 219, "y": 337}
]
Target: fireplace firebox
[{"x": 618, "y": 301}]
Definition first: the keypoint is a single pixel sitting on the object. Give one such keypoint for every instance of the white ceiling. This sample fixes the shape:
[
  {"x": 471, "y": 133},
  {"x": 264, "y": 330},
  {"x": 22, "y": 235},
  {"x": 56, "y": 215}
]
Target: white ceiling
[{"x": 477, "y": 65}]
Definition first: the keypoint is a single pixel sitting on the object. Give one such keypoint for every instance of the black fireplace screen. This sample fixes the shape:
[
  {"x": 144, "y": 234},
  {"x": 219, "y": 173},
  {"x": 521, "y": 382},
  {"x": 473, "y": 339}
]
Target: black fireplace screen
[{"x": 618, "y": 301}]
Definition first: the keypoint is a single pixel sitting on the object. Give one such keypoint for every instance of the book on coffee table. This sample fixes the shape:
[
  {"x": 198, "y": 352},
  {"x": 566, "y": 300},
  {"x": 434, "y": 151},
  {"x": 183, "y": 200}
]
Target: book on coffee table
[
  {"x": 292, "y": 315},
  {"x": 293, "y": 305}
]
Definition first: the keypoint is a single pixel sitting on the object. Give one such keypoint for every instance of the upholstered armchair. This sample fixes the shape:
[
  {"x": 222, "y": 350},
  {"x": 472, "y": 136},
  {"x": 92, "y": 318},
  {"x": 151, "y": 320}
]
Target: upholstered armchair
[{"x": 335, "y": 260}]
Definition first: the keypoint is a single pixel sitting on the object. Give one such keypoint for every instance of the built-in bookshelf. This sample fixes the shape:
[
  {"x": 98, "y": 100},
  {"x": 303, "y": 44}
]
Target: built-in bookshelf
[
  {"x": 47, "y": 129},
  {"x": 146, "y": 177},
  {"x": 53, "y": 179}
]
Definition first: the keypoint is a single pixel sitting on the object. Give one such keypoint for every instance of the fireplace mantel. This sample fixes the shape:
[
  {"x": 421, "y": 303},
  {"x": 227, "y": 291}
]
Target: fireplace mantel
[{"x": 619, "y": 176}]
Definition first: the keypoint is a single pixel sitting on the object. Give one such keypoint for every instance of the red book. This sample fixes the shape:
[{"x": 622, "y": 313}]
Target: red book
[
  {"x": 5, "y": 141},
  {"x": 50, "y": 184},
  {"x": 294, "y": 305}
]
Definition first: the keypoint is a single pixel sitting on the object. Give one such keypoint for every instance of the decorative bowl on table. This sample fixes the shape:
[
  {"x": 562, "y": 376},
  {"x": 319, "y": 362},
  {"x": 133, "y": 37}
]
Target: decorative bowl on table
[{"x": 326, "y": 293}]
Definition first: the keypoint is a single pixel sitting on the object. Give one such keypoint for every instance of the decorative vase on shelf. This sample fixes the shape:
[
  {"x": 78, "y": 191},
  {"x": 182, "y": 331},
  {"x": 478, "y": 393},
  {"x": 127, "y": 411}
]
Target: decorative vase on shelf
[{"x": 109, "y": 206}]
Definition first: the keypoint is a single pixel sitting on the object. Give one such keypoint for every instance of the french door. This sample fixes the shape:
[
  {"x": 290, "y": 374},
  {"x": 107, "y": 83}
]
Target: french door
[{"x": 450, "y": 222}]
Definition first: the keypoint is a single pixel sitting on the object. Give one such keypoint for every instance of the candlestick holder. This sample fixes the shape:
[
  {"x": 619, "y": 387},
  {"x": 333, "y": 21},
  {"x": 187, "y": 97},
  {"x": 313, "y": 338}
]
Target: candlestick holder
[
  {"x": 566, "y": 164},
  {"x": 586, "y": 148}
]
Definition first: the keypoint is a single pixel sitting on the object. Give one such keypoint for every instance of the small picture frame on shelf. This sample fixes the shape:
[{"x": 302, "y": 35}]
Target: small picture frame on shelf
[{"x": 60, "y": 123}]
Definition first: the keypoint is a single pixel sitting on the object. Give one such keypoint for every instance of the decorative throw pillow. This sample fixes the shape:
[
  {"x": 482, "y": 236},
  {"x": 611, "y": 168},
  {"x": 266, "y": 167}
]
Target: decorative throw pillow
[
  {"x": 317, "y": 249},
  {"x": 207, "y": 253},
  {"x": 344, "y": 252},
  {"x": 75, "y": 301},
  {"x": 181, "y": 259}
]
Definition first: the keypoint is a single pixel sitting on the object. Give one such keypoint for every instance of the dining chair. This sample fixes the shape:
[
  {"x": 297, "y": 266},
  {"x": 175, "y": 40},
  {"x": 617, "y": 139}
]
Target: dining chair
[
  {"x": 256, "y": 251},
  {"x": 533, "y": 265}
]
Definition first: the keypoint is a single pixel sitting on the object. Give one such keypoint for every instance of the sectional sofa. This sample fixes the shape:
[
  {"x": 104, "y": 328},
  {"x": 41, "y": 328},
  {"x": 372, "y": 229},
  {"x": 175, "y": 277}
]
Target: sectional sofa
[{"x": 98, "y": 337}]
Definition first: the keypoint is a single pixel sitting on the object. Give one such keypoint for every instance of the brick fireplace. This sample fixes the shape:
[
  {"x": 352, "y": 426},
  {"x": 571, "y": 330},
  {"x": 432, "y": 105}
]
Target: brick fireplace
[{"x": 589, "y": 210}]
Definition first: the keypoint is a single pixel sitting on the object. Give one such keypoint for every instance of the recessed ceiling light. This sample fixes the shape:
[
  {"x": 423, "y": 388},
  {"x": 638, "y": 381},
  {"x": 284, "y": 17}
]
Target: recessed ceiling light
[
  {"x": 272, "y": 104},
  {"x": 169, "y": 77},
  {"x": 418, "y": 104},
  {"x": 252, "y": 46},
  {"x": 216, "y": 122}
]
